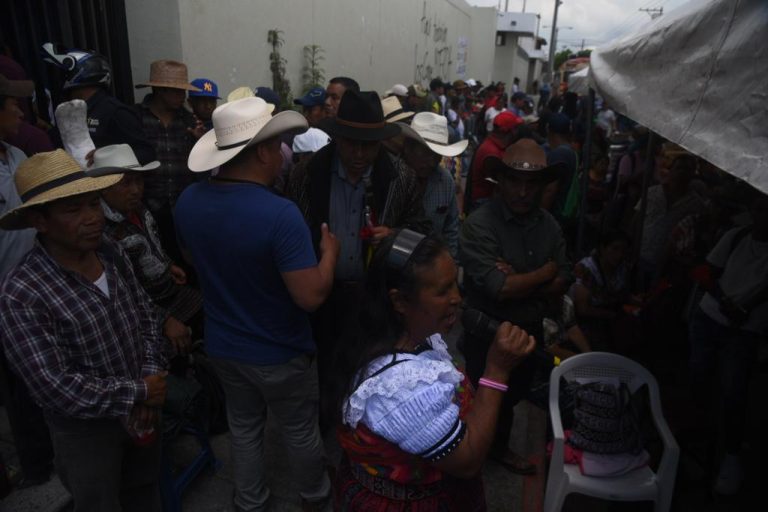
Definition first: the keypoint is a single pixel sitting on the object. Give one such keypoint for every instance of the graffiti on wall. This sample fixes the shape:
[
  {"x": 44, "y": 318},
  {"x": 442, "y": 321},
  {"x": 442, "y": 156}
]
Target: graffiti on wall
[{"x": 435, "y": 56}]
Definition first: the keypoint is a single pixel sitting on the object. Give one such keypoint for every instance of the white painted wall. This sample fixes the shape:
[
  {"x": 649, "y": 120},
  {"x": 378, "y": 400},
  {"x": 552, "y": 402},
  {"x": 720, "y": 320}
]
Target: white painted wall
[{"x": 377, "y": 42}]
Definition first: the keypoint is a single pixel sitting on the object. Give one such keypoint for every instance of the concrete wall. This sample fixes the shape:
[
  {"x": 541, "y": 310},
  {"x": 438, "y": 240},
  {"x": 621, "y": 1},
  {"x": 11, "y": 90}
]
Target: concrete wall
[
  {"x": 377, "y": 42},
  {"x": 154, "y": 32}
]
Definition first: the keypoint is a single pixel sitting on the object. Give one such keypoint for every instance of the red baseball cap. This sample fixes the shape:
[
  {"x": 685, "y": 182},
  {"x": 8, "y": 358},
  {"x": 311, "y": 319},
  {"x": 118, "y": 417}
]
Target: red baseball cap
[{"x": 507, "y": 121}]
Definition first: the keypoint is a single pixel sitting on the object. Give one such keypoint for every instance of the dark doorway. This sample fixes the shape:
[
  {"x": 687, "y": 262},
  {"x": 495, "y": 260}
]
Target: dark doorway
[{"x": 98, "y": 25}]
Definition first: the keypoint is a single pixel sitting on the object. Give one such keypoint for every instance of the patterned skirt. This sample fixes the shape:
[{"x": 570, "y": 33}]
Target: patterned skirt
[{"x": 356, "y": 490}]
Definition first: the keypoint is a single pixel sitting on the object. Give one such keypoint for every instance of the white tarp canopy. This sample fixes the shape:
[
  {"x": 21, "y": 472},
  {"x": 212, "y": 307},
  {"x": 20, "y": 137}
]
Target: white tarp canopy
[
  {"x": 578, "y": 81},
  {"x": 699, "y": 77}
]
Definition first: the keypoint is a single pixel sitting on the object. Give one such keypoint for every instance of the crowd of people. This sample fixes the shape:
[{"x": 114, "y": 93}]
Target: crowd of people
[{"x": 323, "y": 253}]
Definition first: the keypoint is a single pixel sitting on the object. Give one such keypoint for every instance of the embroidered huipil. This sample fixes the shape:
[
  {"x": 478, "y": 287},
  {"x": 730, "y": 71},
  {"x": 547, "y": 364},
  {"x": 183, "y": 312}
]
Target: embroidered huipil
[{"x": 81, "y": 353}]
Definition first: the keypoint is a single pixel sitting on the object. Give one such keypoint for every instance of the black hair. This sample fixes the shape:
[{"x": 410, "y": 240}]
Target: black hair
[
  {"x": 379, "y": 327},
  {"x": 2, "y": 101},
  {"x": 348, "y": 83},
  {"x": 435, "y": 84},
  {"x": 612, "y": 236}
]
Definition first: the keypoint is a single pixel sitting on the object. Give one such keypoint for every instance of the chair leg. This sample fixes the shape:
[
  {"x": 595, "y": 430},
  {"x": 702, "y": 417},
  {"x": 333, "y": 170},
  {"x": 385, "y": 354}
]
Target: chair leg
[{"x": 554, "y": 498}]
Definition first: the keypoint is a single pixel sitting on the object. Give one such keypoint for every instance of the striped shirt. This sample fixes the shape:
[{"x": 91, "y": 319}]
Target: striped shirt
[{"x": 82, "y": 354}]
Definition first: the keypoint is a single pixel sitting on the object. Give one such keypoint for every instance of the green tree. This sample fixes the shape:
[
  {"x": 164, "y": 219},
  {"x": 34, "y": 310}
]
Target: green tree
[
  {"x": 313, "y": 74},
  {"x": 584, "y": 53},
  {"x": 561, "y": 57},
  {"x": 280, "y": 83}
]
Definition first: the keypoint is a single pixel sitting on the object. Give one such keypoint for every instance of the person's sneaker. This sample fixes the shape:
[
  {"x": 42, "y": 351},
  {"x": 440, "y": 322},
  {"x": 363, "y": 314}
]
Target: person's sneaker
[{"x": 730, "y": 477}]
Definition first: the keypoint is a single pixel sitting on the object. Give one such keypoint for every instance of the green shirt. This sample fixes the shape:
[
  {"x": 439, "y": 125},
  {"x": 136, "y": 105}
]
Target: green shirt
[{"x": 527, "y": 242}]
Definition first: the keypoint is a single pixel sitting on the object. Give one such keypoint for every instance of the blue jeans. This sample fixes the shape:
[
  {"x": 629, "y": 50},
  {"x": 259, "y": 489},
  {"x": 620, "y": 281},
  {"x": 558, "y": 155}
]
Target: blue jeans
[{"x": 722, "y": 360}]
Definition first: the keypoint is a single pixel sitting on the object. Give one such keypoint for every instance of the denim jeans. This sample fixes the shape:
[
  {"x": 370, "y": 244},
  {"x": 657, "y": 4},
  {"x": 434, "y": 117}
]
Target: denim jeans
[
  {"x": 290, "y": 391},
  {"x": 721, "y": 364}
]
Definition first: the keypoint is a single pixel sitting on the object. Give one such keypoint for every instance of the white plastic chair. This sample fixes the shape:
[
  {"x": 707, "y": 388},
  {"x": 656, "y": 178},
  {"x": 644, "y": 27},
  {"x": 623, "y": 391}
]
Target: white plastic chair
[{"x": 642, "y": 484}]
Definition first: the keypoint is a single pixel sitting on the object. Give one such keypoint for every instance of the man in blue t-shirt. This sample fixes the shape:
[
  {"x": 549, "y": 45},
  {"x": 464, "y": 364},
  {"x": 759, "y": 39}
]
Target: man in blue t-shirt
[{"x": 260, "y": 278}]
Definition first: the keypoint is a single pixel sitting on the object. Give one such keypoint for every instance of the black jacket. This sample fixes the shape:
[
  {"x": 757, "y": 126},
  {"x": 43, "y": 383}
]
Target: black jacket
[{"x": 112, "y": 122}]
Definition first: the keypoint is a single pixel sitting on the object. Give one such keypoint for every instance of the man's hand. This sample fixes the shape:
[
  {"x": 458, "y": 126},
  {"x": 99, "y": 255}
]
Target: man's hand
[
  {"x": 329, "y": 244},
  {"x": 199, "y": 129},
  {"x": 504, "y": 267},
  {"x": 548, "y": 271},
  {"x": 179, "y": 334},
  {"x": 143, "y": 417},
  {"x": 156, "y": 388},
  {"x": 379, "y": 233},
  {"x": 178, "y": 274}
]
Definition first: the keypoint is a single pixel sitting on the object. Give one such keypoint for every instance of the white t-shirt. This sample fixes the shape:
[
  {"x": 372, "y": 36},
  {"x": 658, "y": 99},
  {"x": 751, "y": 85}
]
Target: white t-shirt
[
  {"x": 745, "y": 276},
  {"x": 102, "y": 284},
  {"x": 490, "y": 115}
]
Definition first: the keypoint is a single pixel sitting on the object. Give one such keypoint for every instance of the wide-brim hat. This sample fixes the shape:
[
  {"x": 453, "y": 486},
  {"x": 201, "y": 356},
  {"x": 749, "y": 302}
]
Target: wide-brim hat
[
  {"x": 16, "y": 88},
  {"x": 47, "y": 177},
  {"x": 360, "y": 117},
  {"x": 525, "y": 159},
  {"x": 117, "y": 159},
  {"x": 237, "y": 125},
  {"x": 240, "y": 93},
  {"x": 393, "y": 110},
  {"x": 431, "y": 130},
  {"x": 170, "y": 74}
]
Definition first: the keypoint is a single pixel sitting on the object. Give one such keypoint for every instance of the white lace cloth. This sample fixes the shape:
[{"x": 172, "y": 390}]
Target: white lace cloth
[{"x": 412, "y": 403}]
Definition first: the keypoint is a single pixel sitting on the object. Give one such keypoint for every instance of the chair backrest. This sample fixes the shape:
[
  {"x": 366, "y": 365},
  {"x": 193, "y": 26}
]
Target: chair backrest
[{"x": 603, "y": 365}]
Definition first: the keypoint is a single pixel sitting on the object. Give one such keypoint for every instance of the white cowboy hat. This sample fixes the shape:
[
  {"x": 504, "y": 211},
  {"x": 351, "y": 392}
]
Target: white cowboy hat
[
  {"x": 431, "y": 130},
  {"x": 116, "y": 159},
  {"x": 397, "y": 90},
  {"x": 310, "y": 141},
  {"x": 47, "y": 177},
  {"x": 237, "y": 125},
  {"x": 393, "y": 110},
  {"x": 240, "y": 93}
]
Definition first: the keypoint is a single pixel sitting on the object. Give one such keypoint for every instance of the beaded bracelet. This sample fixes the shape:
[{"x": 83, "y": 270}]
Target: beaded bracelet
[{"x": 488, "y": 383}]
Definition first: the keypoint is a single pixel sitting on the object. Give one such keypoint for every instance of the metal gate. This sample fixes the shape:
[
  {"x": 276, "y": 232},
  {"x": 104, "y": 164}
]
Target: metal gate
[{"x": 98, "y": 25}]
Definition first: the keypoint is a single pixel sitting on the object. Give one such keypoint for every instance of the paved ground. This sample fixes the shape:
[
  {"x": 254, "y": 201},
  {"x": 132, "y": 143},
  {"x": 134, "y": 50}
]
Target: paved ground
[{"x": 212, "y": 492}]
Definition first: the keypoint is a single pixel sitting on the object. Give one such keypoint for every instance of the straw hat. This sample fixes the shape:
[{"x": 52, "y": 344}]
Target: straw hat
[
  {"x": 237, "y": 125},
  {"x": 240, "y": 93},
  {"x": 46, "y": 177},
  {"x": 117, "y": 159},
  {"x": 393, "y": 110},
  {"x": 431, "y": 130},
  {"x": 525, "y": 159},
  {"x": 168, "y": 73}
]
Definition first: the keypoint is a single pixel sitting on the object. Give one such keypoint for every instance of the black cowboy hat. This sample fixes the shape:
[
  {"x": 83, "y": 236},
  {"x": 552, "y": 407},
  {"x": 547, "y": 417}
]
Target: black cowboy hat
[
  {"x": 360, "y": 117},
  {"x": 525, "y": 159}
]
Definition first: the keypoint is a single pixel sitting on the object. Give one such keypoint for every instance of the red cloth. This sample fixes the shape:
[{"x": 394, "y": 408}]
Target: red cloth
[
  {"x": 482, "y": 188},
  {"x": 385, "y": 460}
]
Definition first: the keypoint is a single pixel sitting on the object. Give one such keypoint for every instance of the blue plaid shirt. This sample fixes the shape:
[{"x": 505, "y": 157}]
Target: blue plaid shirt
[
  {"x": 82, "y": 354},
  {"x": 442, "y": 209}
]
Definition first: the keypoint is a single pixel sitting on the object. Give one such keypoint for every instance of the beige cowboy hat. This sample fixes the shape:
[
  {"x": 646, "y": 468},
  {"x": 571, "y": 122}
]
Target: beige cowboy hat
[
  {"x": 47, "y": 177},
  {"x": 237, "y": 125},
  {"x": 116, "y": 159},
  {"x": 168, "y": 73},
  {"x": 393, "y": 110},
  {"x": 431, "y": 130}
]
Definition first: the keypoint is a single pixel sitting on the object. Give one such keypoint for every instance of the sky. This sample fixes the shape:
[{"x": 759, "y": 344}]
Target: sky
[{"x": 595, "y": 21}]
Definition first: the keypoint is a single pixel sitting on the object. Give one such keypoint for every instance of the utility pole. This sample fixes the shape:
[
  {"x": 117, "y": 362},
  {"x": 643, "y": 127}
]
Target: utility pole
[
  {"x": 653, "y": 13},
  {"x": 553, "y": 43},
  {"x": 506, "y": 6},
  {"x": 582, "y": 45}
]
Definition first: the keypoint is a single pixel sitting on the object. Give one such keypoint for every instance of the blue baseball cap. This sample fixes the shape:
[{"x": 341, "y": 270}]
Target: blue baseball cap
[
  {"x": 208, "y": 89},
  {"x": 314, "y": 97},
  {"x": 559, "y": 123},
  {"x": 268, "y": 95}
]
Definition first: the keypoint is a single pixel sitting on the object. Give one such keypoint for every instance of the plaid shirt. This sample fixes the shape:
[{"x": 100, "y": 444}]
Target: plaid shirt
[
  {"x": 173, "y": 143},
  {"x": 441, "y": 208},
  {"x": 81, "y": 354}
]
